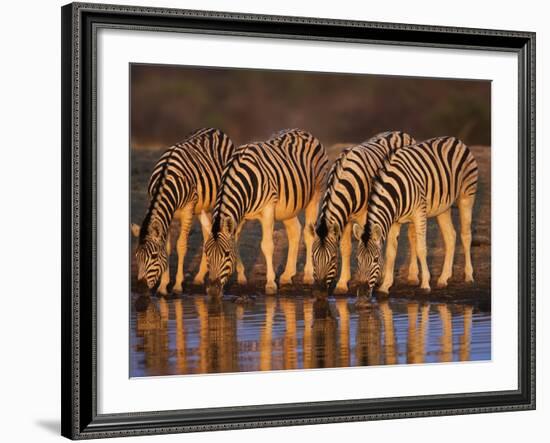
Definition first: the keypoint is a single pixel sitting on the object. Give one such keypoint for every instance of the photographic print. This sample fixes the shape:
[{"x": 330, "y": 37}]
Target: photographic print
[
  {"x": 274, "y": 221},
  {"x": 266, "y": 211}
]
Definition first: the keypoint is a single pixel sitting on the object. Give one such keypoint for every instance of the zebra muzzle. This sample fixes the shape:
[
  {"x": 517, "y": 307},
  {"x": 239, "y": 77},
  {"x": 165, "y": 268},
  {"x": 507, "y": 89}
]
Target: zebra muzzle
[
  {"x": 364, "y": 291},
  {"x": 214, "y": 289}
]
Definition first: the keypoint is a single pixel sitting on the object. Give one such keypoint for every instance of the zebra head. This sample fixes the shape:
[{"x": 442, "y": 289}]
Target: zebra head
[
  {"x": 151, "y": 256},
  {"x": 325, "y": 253},
  {"x": 369, "y": 257},
  {"x": 221, "y": 255}
]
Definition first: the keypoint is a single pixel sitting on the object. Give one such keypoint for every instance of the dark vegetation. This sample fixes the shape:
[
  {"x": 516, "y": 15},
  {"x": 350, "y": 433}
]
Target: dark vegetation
[{"x": 168, "y": 102}]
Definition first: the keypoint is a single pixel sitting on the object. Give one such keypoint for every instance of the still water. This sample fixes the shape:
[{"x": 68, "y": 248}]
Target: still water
[{"x": 192, "y": 334}]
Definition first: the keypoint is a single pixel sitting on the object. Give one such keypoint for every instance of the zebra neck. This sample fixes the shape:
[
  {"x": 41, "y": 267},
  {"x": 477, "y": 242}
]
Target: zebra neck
[
  {"x": 154, "y": 217},
  {"x": 161, "y": 211},
  {"x": 327, "y": 223},
  {"x": 332, "y": 214},
  {"x": 383, "y": 217}
]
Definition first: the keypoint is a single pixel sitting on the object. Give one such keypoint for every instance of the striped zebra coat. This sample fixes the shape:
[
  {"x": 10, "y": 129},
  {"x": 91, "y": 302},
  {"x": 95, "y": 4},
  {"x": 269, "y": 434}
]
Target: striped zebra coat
[
  {"x": 416, "y": 183},
  {"x": 345, "y": 202},
  {"x": 268, "y": 181},
  {"x": 184, "y": 183}
]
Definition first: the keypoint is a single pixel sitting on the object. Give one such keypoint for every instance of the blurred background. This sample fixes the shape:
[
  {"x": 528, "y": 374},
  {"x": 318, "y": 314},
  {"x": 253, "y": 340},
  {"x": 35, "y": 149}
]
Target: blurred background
[{"x": 168, "y": 102}]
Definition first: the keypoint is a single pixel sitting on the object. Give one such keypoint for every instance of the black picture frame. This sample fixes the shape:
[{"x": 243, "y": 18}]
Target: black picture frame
[{"x": 79, "y": 173}]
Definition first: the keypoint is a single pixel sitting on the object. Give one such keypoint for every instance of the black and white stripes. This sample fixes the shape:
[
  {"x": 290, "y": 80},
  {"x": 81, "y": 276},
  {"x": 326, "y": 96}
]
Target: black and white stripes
[
  {"x": 418, "y": 182},
  {"x": 345, "y": 202},
  {"x": 371, "y": 189},
  {"x": 184, "y": 182},
  {"x": 272, "y": 180}
]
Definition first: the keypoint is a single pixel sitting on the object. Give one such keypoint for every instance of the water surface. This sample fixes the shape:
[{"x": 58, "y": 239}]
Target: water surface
[{"x": 192, "y": 334}]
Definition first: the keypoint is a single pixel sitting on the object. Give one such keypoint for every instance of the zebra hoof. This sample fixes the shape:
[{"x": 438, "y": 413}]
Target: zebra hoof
[
  {"x": 285, "y": 280},
  {"x": 308, "y": 280},
  {"x": 413, "y": 281},
  {"x": 271, "y": 289},
  {"x": 198, "y": 281},
  {"x": 442, "y": 284},
  {"x": 469, "y": 280},
  {"x": 162, "y": 291},
  {"x": 424, "y": 291},
  {"x": 177, "y": 289},
  {"x": 341, "y": 290}
]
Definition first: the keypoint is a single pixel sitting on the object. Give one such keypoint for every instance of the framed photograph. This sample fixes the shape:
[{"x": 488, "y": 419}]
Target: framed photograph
[{"x": 234, "y": 188}]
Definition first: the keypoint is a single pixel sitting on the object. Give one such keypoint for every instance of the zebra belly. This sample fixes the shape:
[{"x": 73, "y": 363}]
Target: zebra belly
[
  {"x": 432, "y": 212},
  {"x": 435, "y": 210},
  {"x": 203, "y": 206},
  {"x": 283, "y": 212}
]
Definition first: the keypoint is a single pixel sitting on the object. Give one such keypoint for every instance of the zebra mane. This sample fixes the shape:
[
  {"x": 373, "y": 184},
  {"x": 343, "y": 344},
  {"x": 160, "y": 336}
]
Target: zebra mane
[
  {"x": 216, "y": 225},
  {"x": 282, "y": 132},
  {"x": 366, "y": 232},
  {"x": 217, "y": 211},
  {"x": 195, "y": 133},
  {"x": 377, "y": 183},
  {"x": 322, "y": 229},
  {"x": 155, "y": 194}
]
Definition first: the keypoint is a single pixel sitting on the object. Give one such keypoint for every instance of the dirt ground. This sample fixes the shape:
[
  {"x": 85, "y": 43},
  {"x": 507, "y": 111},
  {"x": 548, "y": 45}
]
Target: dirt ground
[{"x": 141, "y": 167}]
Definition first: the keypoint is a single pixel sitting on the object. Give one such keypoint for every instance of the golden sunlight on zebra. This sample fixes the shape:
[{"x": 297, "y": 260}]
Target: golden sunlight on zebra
[
  {"x": 416, "y": 183},
  {"x": 345, "y": 203},
  {"x": 272, "y": 180},
  {"x": 183, "y": 184},
  {"x": 371, "y": 189}
]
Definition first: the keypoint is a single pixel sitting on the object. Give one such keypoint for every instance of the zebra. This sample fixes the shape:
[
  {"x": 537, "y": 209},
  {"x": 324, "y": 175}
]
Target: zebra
[
  {"x": 416, "y": 183},
  {"x": 184, "y": 183},
  {"x": 268, "y": 181},
  {"x": 345, "y": 203}
]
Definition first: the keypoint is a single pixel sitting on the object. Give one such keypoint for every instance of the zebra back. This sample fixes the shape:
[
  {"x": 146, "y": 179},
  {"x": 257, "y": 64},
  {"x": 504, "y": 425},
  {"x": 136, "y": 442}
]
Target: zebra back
[
  {"x": 188, "y": 170},
  {"x": 288, "y": 168},
  {"x": 351, "y": 176}
]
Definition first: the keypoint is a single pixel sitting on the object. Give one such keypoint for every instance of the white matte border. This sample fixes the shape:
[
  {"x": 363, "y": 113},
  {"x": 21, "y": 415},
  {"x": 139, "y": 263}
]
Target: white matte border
[{"x": 118, "y": 393}]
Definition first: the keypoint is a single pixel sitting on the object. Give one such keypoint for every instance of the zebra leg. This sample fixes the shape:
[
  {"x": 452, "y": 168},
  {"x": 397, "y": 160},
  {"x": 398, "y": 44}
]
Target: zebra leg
[
  {"x": 268, "y": 220},
  {"x": 186, "y": 219},
  {"x": 241, "y": 277},
  {"x": 412, "y": 277},
  {"x": 420, "y": 230},
  {"x": 465, "y": 207},
  {"x": 165, "y": 277},
  {"x": 311, "y": 217},
  {"x": 345, "y": 250},
  {"x": 203, "y": 267},
  {"x": 293, "y": 228},
  {"x": 445, "y": 223},
  {"x": 391, "y": 253}
]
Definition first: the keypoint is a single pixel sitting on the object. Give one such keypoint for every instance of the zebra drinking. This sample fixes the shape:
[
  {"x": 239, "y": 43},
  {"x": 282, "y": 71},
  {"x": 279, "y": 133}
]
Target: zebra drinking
[
  {"x": 184, "y": 183},
  {"x": 345, "y": 203},
  {"x": 416, "y": 183},
  {"x": 267, "y": 181}
]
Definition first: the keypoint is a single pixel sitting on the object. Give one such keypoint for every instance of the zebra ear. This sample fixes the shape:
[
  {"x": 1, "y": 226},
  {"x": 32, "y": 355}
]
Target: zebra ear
[
  {"x": 376, "y": 233},
  {"x": 135, "y": 229},
  {"x": 228, "y": 225},
  {"x": 358, "y": 231},
  {"x": 155, "y": 230},
  {"x": 206, "y": 222}
]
